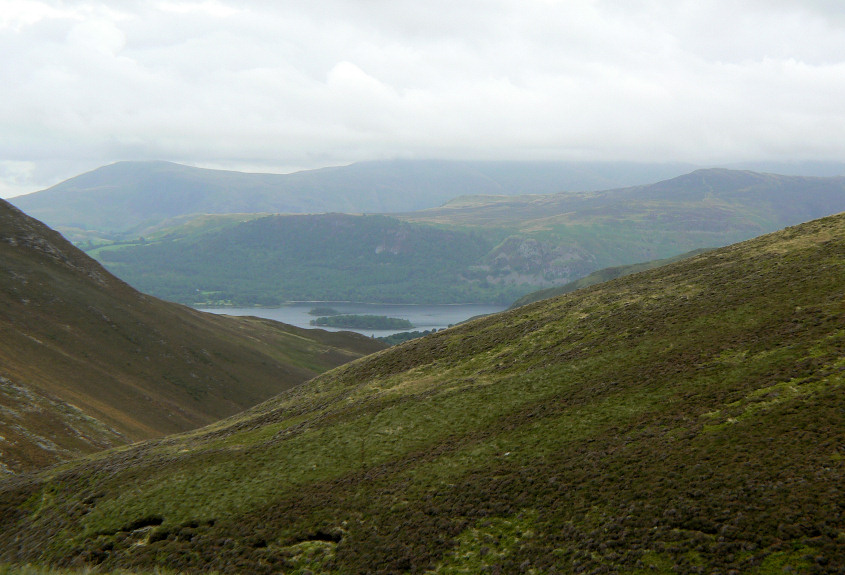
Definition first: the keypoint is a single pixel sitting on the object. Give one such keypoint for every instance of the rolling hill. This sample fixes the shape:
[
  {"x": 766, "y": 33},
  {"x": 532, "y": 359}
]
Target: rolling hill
[
  {"x": 86, "y": 362},
  {"x": 476, "y": 249},
  {"x": 129, "y": 197},
  {"x": 688, "y": 418}
]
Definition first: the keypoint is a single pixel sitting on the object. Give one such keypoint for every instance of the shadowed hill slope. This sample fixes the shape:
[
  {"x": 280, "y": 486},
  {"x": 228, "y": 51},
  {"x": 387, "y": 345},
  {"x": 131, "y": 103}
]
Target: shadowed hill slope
[
  {"x": 689, "y": 418},
  {"x": 86, "y": 362}
]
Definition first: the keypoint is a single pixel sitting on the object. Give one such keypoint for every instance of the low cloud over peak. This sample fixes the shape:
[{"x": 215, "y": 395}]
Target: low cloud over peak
[{"x": 275, "y": 85}]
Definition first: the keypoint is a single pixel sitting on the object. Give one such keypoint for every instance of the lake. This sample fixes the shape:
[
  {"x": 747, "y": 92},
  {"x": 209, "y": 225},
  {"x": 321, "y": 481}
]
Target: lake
[{"x": 424, "y": 317}]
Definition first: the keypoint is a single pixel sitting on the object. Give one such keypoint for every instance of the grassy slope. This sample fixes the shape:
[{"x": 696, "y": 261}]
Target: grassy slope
[
  {"x": 87, "y": 362},
  {"x": 689, "y": 418}
]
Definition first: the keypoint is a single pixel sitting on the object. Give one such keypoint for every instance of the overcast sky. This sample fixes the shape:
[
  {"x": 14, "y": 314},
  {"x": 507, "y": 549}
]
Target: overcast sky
[{"x": 278, "y": 85}]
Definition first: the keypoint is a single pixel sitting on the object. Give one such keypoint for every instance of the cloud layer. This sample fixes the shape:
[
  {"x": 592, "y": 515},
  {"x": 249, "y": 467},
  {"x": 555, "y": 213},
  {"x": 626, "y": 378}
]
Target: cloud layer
[{"x": 261, "y": 85}]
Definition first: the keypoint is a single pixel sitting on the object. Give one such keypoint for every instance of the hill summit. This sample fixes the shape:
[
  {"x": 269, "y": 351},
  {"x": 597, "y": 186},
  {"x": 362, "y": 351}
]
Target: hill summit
[{"x": 689, "y": 418}]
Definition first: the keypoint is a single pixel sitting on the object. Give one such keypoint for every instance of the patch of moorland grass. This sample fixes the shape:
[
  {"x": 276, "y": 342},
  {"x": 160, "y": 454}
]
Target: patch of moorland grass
[
  {"x": 766, "y": 397},
  {"x": 662, "y": 563},
  {"x": 799, "y": 560},
  {"x": 655, "y": 563},
  {"x": 614, "y": 407},
  {"x": 538, "y": 436},
  {"x": 488, "y": 543},
  {"x": 253, "y": 437},
  {"x": 308, "y": 556}
]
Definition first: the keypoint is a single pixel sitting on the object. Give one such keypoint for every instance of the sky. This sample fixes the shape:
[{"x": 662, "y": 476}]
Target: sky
[{"x": 282, "y": 85}]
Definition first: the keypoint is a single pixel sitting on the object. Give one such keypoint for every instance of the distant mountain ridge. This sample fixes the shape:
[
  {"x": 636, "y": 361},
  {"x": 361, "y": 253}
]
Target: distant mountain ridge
[
  {"x": 87, "y": 362},
  {"x": 127, "y": 196},
  {"x": 777, "y": 197}
]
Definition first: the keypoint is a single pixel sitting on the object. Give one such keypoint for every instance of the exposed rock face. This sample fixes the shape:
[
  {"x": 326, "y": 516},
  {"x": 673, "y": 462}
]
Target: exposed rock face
[{"x": 526, "y": 260}]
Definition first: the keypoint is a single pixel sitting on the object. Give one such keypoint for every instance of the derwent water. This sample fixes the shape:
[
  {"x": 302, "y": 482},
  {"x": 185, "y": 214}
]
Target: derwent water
[{"x": 424, "y": 317}]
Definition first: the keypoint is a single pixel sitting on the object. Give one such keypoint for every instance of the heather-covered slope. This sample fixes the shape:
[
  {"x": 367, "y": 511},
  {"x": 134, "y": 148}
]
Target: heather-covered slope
[
  {"x": 86, "y": 362},
  {"x": 689, "y": 418}
]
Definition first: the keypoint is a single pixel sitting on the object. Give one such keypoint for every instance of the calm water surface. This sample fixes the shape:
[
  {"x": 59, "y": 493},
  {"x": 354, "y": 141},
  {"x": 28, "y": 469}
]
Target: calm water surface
[{"x": 424, "y": 317}]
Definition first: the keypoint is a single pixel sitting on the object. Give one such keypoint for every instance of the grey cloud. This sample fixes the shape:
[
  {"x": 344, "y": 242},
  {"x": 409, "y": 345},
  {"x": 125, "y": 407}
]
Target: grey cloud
[{"x": 273, "y": 85}]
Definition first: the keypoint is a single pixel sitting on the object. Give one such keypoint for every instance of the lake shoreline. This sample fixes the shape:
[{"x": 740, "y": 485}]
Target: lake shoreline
[{"x": 425, "y": 317}]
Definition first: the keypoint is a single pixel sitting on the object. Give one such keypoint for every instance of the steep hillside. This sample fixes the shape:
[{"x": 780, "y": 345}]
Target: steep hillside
[
  {"x": 689, "y": 419},
  {"x": 131, "y": 196},
  {"x": 86, "y": 362},
  {"x": 475, "y": 249}
]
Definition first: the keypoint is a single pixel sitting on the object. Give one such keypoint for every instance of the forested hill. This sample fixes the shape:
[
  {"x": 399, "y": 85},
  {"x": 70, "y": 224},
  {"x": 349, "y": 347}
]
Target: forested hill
[
  {"x": 687, "y": 419},
  {"x": 86, "y": 362},
  {"x": 325, "y": 257}
]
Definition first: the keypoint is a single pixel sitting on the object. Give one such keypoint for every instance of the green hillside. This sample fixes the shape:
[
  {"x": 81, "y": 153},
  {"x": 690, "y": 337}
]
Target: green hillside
[
  {"x": 477, "y": 249},
  {"x": 325, "y": 257},
  {"x": 690, "y": 418},
  {"x": 86, "y": 362},
  {"x": 129, "y": 197}
]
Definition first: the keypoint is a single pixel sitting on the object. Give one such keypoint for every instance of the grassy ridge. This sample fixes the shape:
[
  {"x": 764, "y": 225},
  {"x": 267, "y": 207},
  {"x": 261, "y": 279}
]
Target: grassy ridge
[
  {"x": 689, "y": 418},
  {"x": 86, "y": 362}
]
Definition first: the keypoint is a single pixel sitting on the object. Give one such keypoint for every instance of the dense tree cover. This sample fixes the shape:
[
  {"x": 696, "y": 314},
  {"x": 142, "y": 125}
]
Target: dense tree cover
[
  {"x": 362, "y": 322},
  {"x": 329, "y": 257}
]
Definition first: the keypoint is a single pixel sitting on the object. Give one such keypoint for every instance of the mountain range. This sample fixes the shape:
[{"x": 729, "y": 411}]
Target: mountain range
[
  {"x": 685, "y": 419},
  {"x": 127, "y": 197},
  {"x": 472, "y": 249},
  {"x": 87, "y": 362}
]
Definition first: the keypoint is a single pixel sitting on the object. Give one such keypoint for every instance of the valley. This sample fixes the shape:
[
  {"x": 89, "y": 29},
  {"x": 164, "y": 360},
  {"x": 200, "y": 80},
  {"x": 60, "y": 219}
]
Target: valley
[
  {"x": 663, "y": 405},
  {"x": 688, "y": 418},
  {"x": 87, "y": 362}
]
